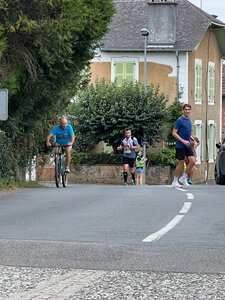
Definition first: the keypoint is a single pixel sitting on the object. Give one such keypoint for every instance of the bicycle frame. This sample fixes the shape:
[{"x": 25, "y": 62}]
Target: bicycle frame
[{"x": 60, "y": 166}]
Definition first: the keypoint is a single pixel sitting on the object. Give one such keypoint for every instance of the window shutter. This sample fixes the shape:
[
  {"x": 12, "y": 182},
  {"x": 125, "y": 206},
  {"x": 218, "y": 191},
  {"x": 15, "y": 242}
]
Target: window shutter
[
  {"x": 202, "y": 143},
  {"x": 119, "y": 72},
  {"x": 211, "y": 83},
  {"x": 198, "y": 81},
  {"x": 129, "y": 71},
  {"x": 215, "y": 141},
  {"x": 124, "y": 70},
  {"x": 208, "y": 141}
]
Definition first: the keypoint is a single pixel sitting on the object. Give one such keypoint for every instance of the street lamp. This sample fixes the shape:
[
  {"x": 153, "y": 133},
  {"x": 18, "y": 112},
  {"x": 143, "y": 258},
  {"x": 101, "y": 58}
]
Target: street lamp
[{"x": 145, "y": 34}]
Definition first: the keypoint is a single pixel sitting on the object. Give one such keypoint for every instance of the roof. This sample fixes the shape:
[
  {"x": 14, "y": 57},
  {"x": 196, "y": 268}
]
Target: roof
[{"x": 132, "y": 15}]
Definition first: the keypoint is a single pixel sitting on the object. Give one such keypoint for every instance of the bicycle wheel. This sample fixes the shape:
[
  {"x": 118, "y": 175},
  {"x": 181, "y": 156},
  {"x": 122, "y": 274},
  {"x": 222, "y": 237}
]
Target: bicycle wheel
[
  {"x": 63, "y": 173},
  {"x": 57, "y": 171},
  {"x": 65, "y": 179}
]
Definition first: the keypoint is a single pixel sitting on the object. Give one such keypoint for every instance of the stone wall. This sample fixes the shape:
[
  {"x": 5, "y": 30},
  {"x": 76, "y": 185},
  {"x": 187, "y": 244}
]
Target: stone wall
[{"x": 106, "y": 174}]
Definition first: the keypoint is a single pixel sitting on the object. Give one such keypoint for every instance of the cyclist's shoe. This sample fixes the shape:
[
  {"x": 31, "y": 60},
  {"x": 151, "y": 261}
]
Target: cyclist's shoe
[
  {"x": 67, "y": 170},
  {"x": 189, "y": 181},
  {"x": 183, "y": 179},
  {"x": 176, "y": 184},
  {"x": 125, "y": 183}
]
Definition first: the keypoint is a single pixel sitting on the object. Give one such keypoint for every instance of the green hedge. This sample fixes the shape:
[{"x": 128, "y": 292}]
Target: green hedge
[
  {"x": 164, "y": 157},
  {"x": 8, "y": 163}
]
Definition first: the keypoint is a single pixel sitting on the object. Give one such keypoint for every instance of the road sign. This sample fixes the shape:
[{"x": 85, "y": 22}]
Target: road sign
[
  {"x": 144, "y": 141},
  {"x": 3, "y": 105}
]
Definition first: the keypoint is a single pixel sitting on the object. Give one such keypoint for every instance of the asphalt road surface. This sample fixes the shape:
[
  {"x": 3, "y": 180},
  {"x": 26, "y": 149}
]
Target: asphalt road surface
[{"x": 155, "y": 229}]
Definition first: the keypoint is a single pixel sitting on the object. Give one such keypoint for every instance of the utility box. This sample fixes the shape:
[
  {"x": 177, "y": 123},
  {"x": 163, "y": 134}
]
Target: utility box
[{"x": 3, "y": 104}]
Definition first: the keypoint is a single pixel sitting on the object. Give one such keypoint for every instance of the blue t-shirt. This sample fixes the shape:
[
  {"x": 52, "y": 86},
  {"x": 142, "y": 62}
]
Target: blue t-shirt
[
  {"x": 63, "y": 136},
  {"x": 127, "y": 152},
  {"x": 183, "y": 126}
]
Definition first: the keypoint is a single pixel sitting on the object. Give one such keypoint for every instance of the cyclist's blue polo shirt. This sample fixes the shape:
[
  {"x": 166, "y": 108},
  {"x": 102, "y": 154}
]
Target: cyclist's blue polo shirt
[
  {"x": 184, "y": 129},
  {"x": 63, "y": 136}
]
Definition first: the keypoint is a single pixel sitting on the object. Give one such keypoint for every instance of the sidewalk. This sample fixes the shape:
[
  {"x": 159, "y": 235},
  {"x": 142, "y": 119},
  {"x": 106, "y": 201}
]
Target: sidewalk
[{"x": 20, "y": 283}]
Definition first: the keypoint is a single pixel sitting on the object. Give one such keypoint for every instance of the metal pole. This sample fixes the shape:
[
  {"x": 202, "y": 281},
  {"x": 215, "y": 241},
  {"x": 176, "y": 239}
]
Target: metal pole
[{"x": 145, "y": 93}]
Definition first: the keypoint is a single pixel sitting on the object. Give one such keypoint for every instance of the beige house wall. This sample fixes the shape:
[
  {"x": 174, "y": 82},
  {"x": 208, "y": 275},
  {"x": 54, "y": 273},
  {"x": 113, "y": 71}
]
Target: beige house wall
[
  {"x": 158, "y": 74},
  {"x": 207, "y": 50}
]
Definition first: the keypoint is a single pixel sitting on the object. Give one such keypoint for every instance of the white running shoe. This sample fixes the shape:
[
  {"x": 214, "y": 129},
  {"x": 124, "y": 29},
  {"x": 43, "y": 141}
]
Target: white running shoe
[
  {"x": 183, "y": 179},
  {"x": 176, "y": 184}
]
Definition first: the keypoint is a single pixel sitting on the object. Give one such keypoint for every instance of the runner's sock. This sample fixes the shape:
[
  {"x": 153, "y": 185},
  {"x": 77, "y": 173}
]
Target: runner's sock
[{"x": 125, "y": 176}]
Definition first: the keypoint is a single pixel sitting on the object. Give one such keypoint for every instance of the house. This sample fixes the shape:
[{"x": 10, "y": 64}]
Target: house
[{"x": 184, "y": 51}]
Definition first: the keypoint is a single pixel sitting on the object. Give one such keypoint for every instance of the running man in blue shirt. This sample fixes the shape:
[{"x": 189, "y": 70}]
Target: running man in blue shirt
[
  {"x": 182, "y": 132},
  {"x": 64, "y": 135}
]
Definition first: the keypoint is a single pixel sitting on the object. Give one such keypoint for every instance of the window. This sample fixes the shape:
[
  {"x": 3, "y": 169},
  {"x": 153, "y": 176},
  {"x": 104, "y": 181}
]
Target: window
[
  {"x": 198, "y": 131},
  {"x": 211, "y": 83},
  {"x": 124, "y": 69},
  {"x": 198, "y": 81},
  {"x": 211, "y": 140}
]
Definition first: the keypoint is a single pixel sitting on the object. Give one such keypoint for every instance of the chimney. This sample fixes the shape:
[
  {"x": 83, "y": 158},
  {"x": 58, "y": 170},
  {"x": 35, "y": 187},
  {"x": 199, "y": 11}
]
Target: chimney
[{"x": 162, "y": 22}]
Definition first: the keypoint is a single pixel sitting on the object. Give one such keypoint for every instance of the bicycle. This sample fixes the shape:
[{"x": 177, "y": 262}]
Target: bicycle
[{"x": 60, "y": 166}]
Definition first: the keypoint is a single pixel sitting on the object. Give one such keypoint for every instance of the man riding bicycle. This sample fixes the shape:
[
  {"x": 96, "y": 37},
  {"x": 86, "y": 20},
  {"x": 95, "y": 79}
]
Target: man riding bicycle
[{"x": 64, "y": 135}]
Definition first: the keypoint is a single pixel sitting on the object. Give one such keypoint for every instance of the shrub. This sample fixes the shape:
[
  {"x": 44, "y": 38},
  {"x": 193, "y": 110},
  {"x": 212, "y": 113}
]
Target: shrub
[
  {"x": 165, "y": 157},
  {"x": 8, "y": 164},
  {"x": 79, "y": 158}
]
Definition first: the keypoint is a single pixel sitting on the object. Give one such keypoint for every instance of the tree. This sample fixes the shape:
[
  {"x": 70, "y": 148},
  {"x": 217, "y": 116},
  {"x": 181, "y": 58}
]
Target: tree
[
  {"x": 45, "y": 45},
  {"x": 103, "y": 110},
  {"x": 174, "y": 111}
]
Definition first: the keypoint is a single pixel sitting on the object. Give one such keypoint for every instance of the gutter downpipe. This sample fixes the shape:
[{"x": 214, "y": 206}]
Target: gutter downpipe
[{"x": 178, "y": 76}]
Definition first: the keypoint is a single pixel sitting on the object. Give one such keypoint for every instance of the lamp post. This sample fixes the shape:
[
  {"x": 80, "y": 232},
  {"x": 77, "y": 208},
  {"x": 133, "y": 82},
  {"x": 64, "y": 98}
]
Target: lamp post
[{"x": 145, "y": 34}]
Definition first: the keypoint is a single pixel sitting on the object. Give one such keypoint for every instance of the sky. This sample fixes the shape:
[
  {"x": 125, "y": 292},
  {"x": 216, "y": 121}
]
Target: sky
[{"x": 215, "y": 7}]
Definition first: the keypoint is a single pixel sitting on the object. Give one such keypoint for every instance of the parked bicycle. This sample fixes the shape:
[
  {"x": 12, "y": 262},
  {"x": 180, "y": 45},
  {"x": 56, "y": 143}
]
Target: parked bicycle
[{"x": 61, "y": 176}]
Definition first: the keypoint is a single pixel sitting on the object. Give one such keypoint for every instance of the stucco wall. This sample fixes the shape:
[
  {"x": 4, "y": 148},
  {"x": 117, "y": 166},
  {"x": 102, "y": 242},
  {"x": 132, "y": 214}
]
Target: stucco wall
[{"x": 207, "y": 50}]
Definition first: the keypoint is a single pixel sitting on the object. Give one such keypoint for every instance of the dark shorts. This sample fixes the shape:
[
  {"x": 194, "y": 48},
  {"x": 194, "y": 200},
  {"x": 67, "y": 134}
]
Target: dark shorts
[
  {"x": 182, "y": 153},
  {"x": 129, "y": 161}
]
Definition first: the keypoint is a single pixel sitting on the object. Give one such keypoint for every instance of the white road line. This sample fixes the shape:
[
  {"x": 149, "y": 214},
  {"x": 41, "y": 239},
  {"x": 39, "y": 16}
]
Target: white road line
[
  {"x": 176, "y": 220},
  {"x": 158, "y": 234},
  {"x": 185, "y": 208},
  {"x": 190, "y": 196}
]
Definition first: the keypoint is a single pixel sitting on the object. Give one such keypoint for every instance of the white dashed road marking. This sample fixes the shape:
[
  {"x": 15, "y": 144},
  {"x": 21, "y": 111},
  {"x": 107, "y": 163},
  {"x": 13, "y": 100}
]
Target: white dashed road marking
[{"x": 176, "y": 220}]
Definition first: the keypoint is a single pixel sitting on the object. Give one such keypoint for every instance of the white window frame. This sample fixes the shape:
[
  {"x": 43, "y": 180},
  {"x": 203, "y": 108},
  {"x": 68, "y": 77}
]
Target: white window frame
[
  {"x": 124, "y": 59},
  {"x": 198, "y": 131},
  {"x": 198, "y": 81},
  {"x": 211, "y": 83}
]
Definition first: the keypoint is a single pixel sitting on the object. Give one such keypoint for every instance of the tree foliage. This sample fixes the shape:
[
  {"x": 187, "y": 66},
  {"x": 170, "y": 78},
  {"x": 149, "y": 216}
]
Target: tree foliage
[
  {"x": 174, "y": 111},
  {"x": 103, "y": 110},
  {"x": 45, "y": 45}
]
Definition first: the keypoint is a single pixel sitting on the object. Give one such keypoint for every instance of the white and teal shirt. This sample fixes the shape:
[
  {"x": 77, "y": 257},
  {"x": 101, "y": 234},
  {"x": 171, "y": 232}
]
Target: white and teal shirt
[{"x": 127, "y": 152}]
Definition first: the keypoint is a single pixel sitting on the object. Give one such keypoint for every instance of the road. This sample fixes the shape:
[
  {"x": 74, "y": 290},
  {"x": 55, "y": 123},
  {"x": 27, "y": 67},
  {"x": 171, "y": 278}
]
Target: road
[{"x": 150, "y": 235}]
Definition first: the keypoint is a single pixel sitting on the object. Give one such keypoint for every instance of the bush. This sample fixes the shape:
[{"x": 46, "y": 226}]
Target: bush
[
  {"x": 8, "y": 164},
  {"x": 165, "y": 157},
  {"x": 79, "y": 158}
]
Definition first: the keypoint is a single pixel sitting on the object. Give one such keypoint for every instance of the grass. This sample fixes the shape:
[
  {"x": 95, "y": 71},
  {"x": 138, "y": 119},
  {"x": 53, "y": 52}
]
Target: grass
[{"x": 9, "y": 184}]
